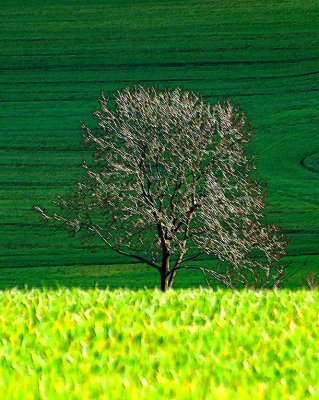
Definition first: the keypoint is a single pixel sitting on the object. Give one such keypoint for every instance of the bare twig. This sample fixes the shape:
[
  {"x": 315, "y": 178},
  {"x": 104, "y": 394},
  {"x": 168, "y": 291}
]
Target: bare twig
[{"x": 169, "y": 174}]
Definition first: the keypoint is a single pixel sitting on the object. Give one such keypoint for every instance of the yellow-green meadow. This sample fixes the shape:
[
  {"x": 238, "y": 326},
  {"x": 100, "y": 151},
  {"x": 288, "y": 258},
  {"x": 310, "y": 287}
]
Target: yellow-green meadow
[{"x": 190, "y": 344}]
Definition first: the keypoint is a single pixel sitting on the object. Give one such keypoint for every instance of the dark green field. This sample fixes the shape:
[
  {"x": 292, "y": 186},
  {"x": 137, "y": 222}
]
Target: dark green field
[{"x": 56, "y": 58}]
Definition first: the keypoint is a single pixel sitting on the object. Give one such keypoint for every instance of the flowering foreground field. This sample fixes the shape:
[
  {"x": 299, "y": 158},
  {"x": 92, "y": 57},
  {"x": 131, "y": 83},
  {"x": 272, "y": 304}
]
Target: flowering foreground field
[{"x": 190, "y": 344}]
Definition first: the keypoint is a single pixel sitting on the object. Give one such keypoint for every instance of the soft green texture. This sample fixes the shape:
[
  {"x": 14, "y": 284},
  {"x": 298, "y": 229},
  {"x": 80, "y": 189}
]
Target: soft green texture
[
  {"x": 57, "y": 56},
  {"x": 191, "y": 344}
]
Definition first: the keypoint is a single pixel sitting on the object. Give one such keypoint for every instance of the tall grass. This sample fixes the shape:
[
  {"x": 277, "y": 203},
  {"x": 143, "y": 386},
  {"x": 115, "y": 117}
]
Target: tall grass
[{"x": 190, "y": 344}]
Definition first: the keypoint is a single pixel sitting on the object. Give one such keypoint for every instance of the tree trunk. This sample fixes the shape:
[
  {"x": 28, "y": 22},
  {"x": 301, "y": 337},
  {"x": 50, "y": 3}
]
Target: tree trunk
[
  {"x": 171, "y": 278},
  {"x": 164, "y": 282},
  {"x": 164, "y": 270}
]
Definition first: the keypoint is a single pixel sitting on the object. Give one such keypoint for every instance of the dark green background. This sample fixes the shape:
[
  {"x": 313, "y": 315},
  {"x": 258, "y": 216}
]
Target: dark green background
[{"x": 57, "y": 56}]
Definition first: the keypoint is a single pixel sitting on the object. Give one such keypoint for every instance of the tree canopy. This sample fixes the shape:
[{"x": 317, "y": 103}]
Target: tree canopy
[{"x": 170, "y": 180}]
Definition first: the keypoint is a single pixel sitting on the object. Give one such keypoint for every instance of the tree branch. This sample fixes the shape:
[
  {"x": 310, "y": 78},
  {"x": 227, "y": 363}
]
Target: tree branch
[
  {"x": 119, "y": 251},
  {"x": 220, "y": 277},
  {"x": 77, "y": 225},
  {"x": 191, "y": 258}
]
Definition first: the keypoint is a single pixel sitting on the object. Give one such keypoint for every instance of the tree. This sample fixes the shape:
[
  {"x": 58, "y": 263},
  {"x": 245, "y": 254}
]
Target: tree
[{"x": 170, "y": 180}]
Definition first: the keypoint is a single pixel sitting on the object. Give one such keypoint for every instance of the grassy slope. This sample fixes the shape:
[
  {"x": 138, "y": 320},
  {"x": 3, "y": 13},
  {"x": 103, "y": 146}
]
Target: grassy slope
[
  {"x": 148, "y": 345},
  {"x": 56, "y": 58}
]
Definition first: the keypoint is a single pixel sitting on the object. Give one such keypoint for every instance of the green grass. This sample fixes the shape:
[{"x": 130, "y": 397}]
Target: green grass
[
  {"x": 56, "y": 58},
  {"x": 190, "y": 344},
  {"x": 132, "y": 276}
]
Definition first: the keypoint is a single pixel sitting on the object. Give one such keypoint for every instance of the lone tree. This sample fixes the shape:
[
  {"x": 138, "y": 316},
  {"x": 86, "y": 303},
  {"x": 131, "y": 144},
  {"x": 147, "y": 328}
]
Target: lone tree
[{"x": 170, "y": 180}]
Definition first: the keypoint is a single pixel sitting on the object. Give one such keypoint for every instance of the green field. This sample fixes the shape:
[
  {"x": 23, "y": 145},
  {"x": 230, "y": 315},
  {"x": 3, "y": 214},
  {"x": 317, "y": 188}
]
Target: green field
[
  {"x": 56, "y": 58},
  {"x": 190, "y": 344}
]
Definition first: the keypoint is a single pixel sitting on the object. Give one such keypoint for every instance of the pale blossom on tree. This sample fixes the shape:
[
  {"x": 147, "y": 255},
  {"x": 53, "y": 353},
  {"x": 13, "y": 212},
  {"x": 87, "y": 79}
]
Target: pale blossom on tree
[{"x": 170, "y": 180}]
